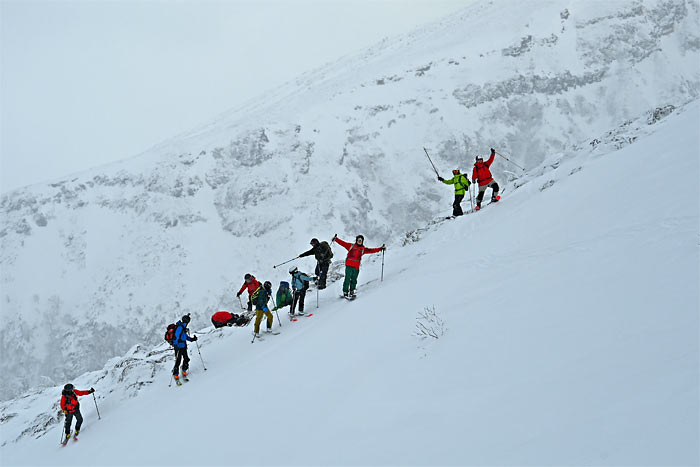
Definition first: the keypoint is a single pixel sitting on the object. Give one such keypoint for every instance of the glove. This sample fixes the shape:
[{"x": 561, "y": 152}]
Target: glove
[
  {"x": 493, "y": 151},
  {"x": 440, "y": 179},
  {"x": 474, "y": 181},
  {"x": 64, "y": 412},
  {"x": 92, "y": 390},
  {"x": 299, "y": 256},
  {"x": 238, "y": 294},
  {"x": 383, "y": 247},
  {"x": 194, "y": 338}
]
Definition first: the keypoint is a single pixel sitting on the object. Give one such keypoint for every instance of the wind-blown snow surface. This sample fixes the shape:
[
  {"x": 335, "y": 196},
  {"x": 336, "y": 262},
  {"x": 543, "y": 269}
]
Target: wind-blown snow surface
[
  {"x": 96, "y": 263},
  {"x": 571, "y": 314}
]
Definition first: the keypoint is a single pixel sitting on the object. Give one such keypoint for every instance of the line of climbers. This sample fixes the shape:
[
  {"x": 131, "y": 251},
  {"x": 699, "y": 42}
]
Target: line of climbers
[
  {"x": 260, "y": 294},
  {"x": 293, "y": 293},
  {"x": 482, "y": 174}
]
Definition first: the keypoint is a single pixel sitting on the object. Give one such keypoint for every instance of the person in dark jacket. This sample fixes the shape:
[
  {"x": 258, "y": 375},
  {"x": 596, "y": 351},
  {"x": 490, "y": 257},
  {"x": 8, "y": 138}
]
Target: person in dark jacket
[
  {"x": 323, "y": 254},
  {"x": 260, "y": 298},
  {"x": 180, "y": 345},
  {"x": 482, "y": 174},
  {"x": 352, "y": 261},
  {"x": 300, "y": 284},
  {"x": 251, "y": 284},
  {"x": 71, "y": 407},
  {"x": 461, "y": 184},
  {"x": 224, "y": 318}
]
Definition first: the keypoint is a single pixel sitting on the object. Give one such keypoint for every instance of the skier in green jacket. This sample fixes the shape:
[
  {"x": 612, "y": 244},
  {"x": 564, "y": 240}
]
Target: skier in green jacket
[{"x": 461, "y": 184}]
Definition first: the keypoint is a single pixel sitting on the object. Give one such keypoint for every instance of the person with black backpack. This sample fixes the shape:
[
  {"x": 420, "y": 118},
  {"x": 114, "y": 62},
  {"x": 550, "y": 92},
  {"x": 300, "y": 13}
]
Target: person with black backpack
[
  {"x": 260, "y": 298},
  {"x": 461, "y": 184},
  {"x": 179, "y": 343},
  {"x": 323, "y": 254},
  {"x": 71, "y": 408},
  {"x": 300, "y": 284}
]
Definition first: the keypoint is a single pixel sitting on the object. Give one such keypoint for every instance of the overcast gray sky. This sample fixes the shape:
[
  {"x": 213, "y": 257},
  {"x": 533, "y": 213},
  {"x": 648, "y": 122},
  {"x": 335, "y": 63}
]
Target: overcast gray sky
[{"x": 84, "y": 83}]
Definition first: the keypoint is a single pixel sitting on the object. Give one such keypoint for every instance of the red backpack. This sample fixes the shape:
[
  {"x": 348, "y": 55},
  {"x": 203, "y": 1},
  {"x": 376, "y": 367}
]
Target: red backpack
[{"x": 170, "y": 333}]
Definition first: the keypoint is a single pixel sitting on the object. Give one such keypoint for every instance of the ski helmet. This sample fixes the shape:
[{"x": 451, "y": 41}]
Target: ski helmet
[
  {"x": 314, "y": 241},
  {"x": 455, "y": 171},
  {"x": 68, "y": 387},
  {"x": 360, "y": 237},
  {"x": 186, "y": 319},
  {"x": 479, "y": 158},
  {"x": 248, "y": 277},
  {"x": 293, "y": 269}
]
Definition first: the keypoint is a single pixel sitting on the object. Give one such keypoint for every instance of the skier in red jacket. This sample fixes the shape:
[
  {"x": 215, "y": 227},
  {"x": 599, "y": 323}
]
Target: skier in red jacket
[
  {"x": 352, "y": 262},
  {"x": 482, "y": 174},
  {"x": 71, "y": 408},
  {"x": 252, "y": 285}
]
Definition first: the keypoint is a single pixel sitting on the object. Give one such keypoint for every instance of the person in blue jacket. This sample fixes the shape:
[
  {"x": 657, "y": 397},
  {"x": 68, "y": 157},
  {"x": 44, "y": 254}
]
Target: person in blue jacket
[
  {"x": 180, "y": 345},
  {"x": 300, "y": 283}
]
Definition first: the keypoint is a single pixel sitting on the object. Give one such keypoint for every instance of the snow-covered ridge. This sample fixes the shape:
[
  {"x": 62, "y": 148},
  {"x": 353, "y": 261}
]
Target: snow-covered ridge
[
  {"x": 94, "y": 264},
  {"x": 36, "y": 412},
  {"x": 568, "y": 343}
]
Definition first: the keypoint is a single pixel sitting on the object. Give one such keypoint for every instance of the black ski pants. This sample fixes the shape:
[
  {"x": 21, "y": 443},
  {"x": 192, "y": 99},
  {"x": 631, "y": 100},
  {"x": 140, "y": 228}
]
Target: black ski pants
[
  {"x": 482, "y": 190},
  {"x": 457, "y": 205},
  {"x": 78, "y": 418},
  {"x": 298, "y": 296},
  {"x": 322, "y": 273},
  {"x": 181, "y": 354}
]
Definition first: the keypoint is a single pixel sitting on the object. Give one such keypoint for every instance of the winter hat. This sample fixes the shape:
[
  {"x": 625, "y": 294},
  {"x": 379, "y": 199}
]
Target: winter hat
[
  {"x": 247, "y": 276},
  {"x": 455, "y": 171},
  {"x": 314, "y": 241},
  {"x": 267, "y": 285},
  {"x": 479, "y": 158},
  {"x": 68, "y": 387},
  {"x": 292, "y": 269},
  {"x": 186, "y": 319},
  {"x": 360, "y": 237}
]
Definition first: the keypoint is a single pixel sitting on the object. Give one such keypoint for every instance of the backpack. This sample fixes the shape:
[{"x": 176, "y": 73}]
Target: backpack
[
  {"x": 284, "y": 295},
  {"x": 327, "y": 250},
  {"x": 170, "y": 333}
]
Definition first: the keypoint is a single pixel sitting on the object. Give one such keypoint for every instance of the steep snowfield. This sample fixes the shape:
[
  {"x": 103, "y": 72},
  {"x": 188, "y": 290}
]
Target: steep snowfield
[
  {"x": 571, "y": 315},
  {"x": 95, "y": 263}
]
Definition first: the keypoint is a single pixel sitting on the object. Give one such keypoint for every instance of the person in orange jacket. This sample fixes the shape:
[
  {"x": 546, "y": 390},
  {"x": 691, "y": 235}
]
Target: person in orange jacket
[
  {"x": 252, "y": 284},
  {"x": 352, "y": 262},
  {"x": 71, "y": 407},
  {"x": 482, "y": 174}
]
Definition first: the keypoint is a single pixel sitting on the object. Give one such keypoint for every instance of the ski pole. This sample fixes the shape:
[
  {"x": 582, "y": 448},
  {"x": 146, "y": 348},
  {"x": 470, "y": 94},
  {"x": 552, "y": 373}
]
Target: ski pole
[
  {"x": 241, "y": 302},
  {"x": 288, "y": 261},
  {"x": 471, "y": 197},
  {"x": 276, "y": 312},
  {"x": 98, "y": 410},
  {"x": 509, "y": 160},
  {"x": 316, "y": 298},
  {"x": 382, "y": 266},
  {"x": 200, "y": 356},
  {"x": 431, "y": 162}
]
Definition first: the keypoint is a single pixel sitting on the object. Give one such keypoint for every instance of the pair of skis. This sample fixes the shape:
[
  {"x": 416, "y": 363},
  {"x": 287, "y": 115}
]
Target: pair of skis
[
  {"x": 261, "y": 338},
  {"x": 66, "y": 438}
]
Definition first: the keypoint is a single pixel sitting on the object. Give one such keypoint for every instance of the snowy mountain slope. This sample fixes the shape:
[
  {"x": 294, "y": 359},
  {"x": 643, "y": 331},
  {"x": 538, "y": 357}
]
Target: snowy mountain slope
[
  {"x": 571, "y": 320},
  {"x": 96, "y": 263}
]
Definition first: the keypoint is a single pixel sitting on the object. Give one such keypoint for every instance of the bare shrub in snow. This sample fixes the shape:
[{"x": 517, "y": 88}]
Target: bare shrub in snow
[{"x": 429, "y": 324}]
